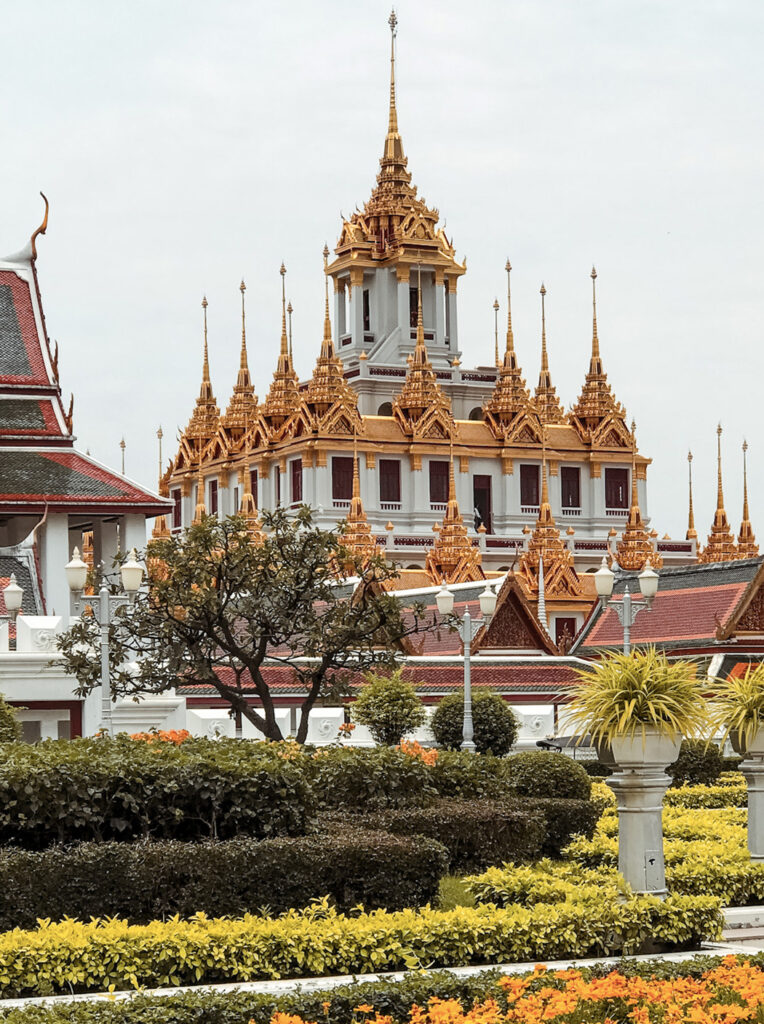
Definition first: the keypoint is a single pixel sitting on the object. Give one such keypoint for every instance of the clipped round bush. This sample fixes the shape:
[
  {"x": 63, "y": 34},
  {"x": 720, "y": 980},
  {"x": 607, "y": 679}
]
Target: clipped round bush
[
  {"x": 389, "y": 707},
  {"x": 494, "y": 724},
  {"x": 10, "y": 727},
  {"x": 699, "y": 763},
  {"x": 541, "y": 773},
  {"x": 357, "y": 779}
]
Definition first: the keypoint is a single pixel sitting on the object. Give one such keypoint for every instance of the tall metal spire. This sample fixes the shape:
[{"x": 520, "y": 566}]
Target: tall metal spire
[
  {"x": 283, "y": 398},
  {"x": 547, "y": 402},
  {"x": 206, "y": 389},
  {"x": 510, "y": 348},
  {"x": 205, "y": 418},
  {"x": 746, "y": 541},
  {"x": 544, "y": 357},
  {"x": 289, "y": 314},
  {"x": 595, "y": 364},
  {"x": 284, "y": 350},
  {"x": 496, "y": 331},
  {"x": 721, "y": 542},
  {"x": 243, "y": 355},
  {"x": 327, "y": 347},
  {"x": 392, "y": 123},
  {"x": 692, "y": 533}
]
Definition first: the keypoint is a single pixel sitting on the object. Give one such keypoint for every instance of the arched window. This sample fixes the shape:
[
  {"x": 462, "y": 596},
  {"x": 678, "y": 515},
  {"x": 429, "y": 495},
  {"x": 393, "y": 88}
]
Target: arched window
[
  {"x": 476, "y": 413},
  {"x": 386, "y": 409}
]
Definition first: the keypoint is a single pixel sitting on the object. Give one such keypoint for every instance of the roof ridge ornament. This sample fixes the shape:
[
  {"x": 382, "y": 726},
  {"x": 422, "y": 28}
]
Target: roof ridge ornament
[{"x": 42, "y": 228}]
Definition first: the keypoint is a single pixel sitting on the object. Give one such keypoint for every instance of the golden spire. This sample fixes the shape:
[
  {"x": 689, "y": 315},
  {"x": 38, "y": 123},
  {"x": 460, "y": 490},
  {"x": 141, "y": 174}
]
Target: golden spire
[
  {"x": 547, "y": 402},
  {"x": 546, "y": 547},
  {"x": 243, "y": 405},
  {"x": 635, "y": 548},
  {"x": 510, "y": 395},
  {"x": 289, "y": 314},
  {"x": 453, "y": 558},
  {"x": 206, "y": 415},
  {"x": 283, "y": 398},
  {"x": 357, "y": 536},
  {"x": 496, "y": 331},
  {"x": 160, "y": 529},
  {"x": 721, "y": 542},
  {"x": 692, "y": 533},
  {"x": 392, "y": 121},
  {"x": 328, "y": 385},
  {"x": 421, "y": 390},
  {"x": 248, "y": 508},
  {"x": 596, "y": 403},
  {"x": 201, "y": 509},
  {"x": 746, "y": 541}
]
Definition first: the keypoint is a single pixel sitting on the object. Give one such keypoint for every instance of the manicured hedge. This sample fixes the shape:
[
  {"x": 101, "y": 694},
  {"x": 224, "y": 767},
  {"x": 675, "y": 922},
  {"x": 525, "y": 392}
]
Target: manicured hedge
[
  {"x": 64, "y": 791},
  {"x": 151, "y": 880},
  {"x": 91, "y": 957},
  {"x": 699, "y": 764},
  {"x": 546, "y": 774},
  {"x": 356, "y": 780},
  {"x": 564, "y": 820},
  {"x": 469, "y": 776},
  {"x": 475, "y": 833}
]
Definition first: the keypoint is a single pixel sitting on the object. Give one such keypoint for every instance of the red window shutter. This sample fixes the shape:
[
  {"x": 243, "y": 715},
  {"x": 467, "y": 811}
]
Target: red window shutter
[
  {"x": 529, "y": 486},
  {"x": 389, "y": 480},
  {"x": 296, "y": 465},
  {"x": 177, "y": 508},
  {"x": 570, "y": 482},
  {"x": 438, "y": 483},
  {"x": 342, "y": 478}
]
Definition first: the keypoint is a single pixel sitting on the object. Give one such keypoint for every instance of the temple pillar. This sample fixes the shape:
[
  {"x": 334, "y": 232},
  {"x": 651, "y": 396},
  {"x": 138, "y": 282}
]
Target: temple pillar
[
  {"x": 440, "y": 308},
  {"x": 54, "y": 555},
  {"x": 133, "y": 533},
  {"x": 356, "y": 305},
  {"x": 339, "y": 308},
  {"x": 404, "y": 316},
  {"x": 451, "y": 325}
]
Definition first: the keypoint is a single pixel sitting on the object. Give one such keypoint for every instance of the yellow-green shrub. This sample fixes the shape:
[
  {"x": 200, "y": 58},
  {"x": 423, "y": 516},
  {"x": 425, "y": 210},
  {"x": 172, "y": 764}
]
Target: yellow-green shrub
[
  {"x": 726, "y": 794},
  {"x": 86, "y": 957}
]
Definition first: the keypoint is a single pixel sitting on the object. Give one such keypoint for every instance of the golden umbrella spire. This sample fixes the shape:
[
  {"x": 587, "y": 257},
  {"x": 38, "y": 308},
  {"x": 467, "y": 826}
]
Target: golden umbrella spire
[
  {"x": 635, "y": 548},
  {"x": 328, "y": 385},
  {"x": 284, "y": 350},
  {"x": 392, "y": 123},
  {"x": 510, "y": 396},
  {"x": 357, "y": 536},
  {"x": 248, "y": 507},
  {"x": 746, "y": 541},
  {"x": 510, "y": 335},
  {"x": 547, "y": 402},
  {"x": 243, "y": 405},
  {"x": 206, "y": 415},
  {"x": 453, "y": 558},
  {"x": 160, "y": 529},
  {"x": 201, "y": 509},
  {"x": 692, "y": 533},
  {"x": 496, "y": 331},
  {"x": 283, "y": 399},
  {"x": 327, "y": 346},
  {"x": 721, "y": 542},
  {"x": 595, "y": 363},
  {"x": 289, "y": 314}
]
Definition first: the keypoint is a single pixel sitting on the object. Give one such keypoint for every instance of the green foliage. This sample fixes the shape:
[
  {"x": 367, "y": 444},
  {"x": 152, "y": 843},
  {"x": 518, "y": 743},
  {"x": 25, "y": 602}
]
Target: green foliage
[
  {"x": 547, "y": 774},
  {"x": 64, "y": 791},
  {"x": 150, "y": 880},
  {"x": 708, "y": 796},
  {"x": 738, "y": 706},
  {"x": 626, "y": 694},
  {"x": 221, "y": 602},
  {"x": 10, "y": 727},
  {"x": 91, "y": 957},
  {"x": 389, "y": 707},
  {"x": 475, "y": 833},
  {"x": 565, "y": 819},
  {"x": 596, "y": 769},
  {"x": 468, "y": 776},
  {"x": 699, "y": 763},
  {"x": 357, "y": 780},
  {"x": 494, "y": 724}
]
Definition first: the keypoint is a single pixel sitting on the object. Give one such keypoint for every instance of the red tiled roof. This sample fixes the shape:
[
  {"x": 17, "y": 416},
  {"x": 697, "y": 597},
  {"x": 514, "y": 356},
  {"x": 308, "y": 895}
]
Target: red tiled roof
[
  {"x": 676, "y": 616},
  {"x": 21, "y": 359}
]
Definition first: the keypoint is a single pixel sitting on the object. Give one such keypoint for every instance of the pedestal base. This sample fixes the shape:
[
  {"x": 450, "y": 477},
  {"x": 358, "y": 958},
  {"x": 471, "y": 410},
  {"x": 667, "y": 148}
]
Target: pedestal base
[
  {"x": 753, "y": 770},
  {"x": 639, "y": 797}
]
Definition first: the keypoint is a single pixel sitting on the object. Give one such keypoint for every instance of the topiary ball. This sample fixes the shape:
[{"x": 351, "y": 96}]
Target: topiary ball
[
  {"x": 542, "y": 773},
  {"x": 494, "y": 725},
  {"x": 699, "y": 763}
]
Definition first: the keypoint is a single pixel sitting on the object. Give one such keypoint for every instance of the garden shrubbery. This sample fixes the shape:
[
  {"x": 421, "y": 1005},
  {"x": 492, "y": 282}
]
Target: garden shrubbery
[
  {"x": 494, "y": 724},
  {"x": 699, "y": 764},
  {"x": 356, "y": 780},
  {"x": 94, "y": 789},
  {"x": 150, "y": 880},
  {"x": 537, "y": 773}
]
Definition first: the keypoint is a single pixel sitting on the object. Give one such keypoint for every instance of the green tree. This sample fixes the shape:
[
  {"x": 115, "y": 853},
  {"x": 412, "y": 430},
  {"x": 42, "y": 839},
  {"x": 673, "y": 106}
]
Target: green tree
[
  {"x": 493, "y": 722},
  {"x": 389, "y": 707},
  {"x": 10, "y": 726},
  {"x": 223, "y": 605}
]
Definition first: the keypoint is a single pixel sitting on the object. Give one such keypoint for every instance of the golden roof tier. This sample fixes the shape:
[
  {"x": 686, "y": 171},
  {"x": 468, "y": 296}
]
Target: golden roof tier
[
  {"x": 283, "y": 398},
  {"x": 242, "y": 409},
  {"x": 421, "y": 408},
  {"x": 395, "y": 222},
  {"x": 635, "y": 548},
  {"x": 746, "y": 541},
  {"x": 598, "y": 417},
  {"x": 453, "y": 558},
  {"x": 547, "y": 403},
  {"x": 510, "y": 411},
  {"x": 205, "y": 418},
  {"x": 330, "y": 403},
  {"x": 546, "y": 545},
  {"x": 721, "y": 542}
]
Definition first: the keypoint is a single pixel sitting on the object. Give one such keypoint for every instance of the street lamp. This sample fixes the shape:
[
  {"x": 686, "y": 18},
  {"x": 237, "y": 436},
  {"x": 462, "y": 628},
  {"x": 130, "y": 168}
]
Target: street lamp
[
  {"x": 628, "y": 609},
  {"x": 14, "y": 595},
  {"x": 467, "y": 631},
  {"x": 104, "y": 604}
]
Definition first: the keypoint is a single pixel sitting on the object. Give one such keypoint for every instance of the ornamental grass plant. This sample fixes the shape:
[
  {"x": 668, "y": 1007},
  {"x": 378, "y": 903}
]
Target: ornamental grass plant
[
  {"x": 626, "y": 695},
  {"x": 738, "y": 705}
]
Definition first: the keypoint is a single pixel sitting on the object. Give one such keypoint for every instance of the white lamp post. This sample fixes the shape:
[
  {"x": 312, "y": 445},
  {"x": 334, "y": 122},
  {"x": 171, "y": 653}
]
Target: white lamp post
[
  {"x": 467, "y": 631},
  {"x": 103, "y": 604},
  {"x": 628, "y": 609},
  {"x": 14, "y": 595}
]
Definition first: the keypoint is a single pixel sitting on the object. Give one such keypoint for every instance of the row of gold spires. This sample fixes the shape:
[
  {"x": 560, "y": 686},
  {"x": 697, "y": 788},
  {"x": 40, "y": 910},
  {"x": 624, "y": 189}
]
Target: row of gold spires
[{"x": 722, "y": 545}]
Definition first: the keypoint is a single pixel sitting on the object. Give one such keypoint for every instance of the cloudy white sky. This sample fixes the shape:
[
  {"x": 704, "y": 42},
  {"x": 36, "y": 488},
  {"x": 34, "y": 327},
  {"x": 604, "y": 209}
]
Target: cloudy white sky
[{"x": 187, "y": 144}]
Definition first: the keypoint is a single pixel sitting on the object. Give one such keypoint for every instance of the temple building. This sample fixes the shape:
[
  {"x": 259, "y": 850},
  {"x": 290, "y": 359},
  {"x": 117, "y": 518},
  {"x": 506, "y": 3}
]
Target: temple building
[{"x": 434, "y": 440}]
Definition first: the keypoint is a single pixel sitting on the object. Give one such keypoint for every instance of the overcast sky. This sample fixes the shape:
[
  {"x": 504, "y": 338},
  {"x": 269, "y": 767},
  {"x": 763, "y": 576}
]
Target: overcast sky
[{"x": 184, "y": 145}]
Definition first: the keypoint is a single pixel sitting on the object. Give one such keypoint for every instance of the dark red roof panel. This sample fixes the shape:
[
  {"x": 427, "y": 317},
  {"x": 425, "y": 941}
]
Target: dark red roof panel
[{"x": 21, "y": 359}]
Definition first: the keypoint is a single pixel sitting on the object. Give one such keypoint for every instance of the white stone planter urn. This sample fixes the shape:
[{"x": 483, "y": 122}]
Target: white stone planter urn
[
  {"x": 753, "y": 770},
  {"x": 639, "y": 784}
]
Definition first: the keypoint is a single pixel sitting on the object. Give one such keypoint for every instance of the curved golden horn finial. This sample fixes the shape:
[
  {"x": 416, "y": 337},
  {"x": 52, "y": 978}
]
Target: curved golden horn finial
[{"x": 42, "y": 228}]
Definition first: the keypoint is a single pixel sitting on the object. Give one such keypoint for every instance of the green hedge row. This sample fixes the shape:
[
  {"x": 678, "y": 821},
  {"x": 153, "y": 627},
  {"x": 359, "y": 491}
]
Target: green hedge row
[
  {"x": 151, "y": 880},
  {"x": 336, "y": 1005},
  {"x": 92, "y": 957},
  {"x": 63, "y": 791}
]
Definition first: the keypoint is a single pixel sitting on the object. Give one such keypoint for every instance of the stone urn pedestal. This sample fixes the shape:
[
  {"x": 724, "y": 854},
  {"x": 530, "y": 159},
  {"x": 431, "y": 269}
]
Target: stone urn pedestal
[
  {"x": 639, "y": 784},
  {"x": 753, "y": 770}
]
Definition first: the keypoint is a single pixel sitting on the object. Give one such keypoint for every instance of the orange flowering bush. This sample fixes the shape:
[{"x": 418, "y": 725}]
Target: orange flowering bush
[
  {"x": 731, "y": 992},
  {"x": 176, "y": 736},
  {"x": 414, "y": 749}
]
